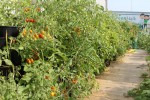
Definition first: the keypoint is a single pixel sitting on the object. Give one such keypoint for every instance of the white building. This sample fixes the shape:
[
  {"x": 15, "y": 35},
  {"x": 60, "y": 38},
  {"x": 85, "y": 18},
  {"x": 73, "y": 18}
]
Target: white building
[{"x": 102, "y": 3}]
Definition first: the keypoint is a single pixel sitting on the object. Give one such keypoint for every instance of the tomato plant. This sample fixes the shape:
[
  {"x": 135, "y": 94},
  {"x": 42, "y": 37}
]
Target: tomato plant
[{"x": 63, "y": 45}]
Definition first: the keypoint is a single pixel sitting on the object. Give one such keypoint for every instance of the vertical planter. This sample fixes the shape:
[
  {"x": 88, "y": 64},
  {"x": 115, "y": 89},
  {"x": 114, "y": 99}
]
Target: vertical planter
[
  {"x": 15, "y": 58},
  {"x": 11, "y": 31}
]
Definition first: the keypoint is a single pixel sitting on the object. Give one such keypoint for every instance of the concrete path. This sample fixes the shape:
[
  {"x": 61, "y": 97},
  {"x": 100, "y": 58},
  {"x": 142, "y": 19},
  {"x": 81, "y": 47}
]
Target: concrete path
[{"x": 121, "y": 77}]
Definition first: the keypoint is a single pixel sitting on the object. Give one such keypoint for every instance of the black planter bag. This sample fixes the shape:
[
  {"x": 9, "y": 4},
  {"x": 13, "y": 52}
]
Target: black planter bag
[
  {"x": 11, "y": 31},
  {"x": 14, "y": 55}
]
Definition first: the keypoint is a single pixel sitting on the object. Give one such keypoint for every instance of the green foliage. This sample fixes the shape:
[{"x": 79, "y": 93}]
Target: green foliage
[
  {"x": 144, "y": 75},
  {"x": 142, "y": 92},
  {"x": 147, "y": 58},
  {"x": 143, "y": 41},
  {"x": 65, "y": 45}
]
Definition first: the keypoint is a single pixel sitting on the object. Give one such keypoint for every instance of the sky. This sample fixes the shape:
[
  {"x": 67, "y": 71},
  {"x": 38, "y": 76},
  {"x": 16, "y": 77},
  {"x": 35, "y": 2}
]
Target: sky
[{"x": 128, "y": 5}]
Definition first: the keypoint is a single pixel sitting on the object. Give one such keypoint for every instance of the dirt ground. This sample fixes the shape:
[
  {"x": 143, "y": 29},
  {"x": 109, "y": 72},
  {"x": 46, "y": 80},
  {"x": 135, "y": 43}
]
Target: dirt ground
[{"x": 120, "y": 77}]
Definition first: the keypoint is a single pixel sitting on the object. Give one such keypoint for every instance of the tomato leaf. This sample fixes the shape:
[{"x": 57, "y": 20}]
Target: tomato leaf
[
  {"x": 21, "y": 48},
  {"x": 8, "y": 62},
  {"x": 27, "y": 77}
]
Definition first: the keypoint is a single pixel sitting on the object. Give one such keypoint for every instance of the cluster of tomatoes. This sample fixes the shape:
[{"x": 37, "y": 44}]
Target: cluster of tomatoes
[
  {"x": 30, "y": 20},
  {"x": 30, "y": 60},
  {"x": 35, "y": 36},
  {"x": 53, "y": 89},
  {"x": 28, "y": 9},
  {"x": 34, "y": 57}
]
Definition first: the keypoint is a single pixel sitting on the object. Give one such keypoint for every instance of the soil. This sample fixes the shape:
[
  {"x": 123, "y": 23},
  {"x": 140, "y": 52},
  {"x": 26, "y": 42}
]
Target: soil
[{"x": 121, "y": 76}]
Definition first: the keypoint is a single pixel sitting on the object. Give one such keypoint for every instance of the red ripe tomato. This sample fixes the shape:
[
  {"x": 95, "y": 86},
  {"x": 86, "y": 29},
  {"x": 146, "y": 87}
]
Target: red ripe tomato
[
  {"x": 41, "y": 36},
  {"x": 27, "y": 20},
  {"x": 32, "y": 20}
]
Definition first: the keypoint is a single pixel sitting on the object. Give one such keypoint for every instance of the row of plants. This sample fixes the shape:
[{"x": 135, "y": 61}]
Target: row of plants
[
  {"x": 63, "y": 45},
  {"x": 142, "y": 92},
  {"x": 143, "y": 41}
]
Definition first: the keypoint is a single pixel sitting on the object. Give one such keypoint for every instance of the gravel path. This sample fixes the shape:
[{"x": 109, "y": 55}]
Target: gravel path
[{"x": 120, "y": 77}]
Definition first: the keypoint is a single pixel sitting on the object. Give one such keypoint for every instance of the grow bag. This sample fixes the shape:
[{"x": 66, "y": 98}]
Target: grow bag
[
  {"x": 11, "y": 31},
  {"x": 14, "y": 55},
  {"x": 16, "y": 60},
  {"x": 2, "y": 42}
]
